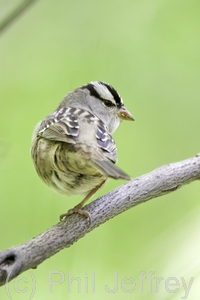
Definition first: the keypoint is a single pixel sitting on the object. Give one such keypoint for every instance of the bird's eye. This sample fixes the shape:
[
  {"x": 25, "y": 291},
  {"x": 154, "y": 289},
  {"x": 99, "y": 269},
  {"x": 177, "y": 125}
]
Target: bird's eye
[{"x": 108, "y": 103}]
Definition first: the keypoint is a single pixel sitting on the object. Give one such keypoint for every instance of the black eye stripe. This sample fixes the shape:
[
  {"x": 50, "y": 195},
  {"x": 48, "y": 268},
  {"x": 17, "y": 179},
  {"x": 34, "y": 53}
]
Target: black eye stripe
[
  {"x": 113, "y": 92},
  {"x": 93, "y": 92}
]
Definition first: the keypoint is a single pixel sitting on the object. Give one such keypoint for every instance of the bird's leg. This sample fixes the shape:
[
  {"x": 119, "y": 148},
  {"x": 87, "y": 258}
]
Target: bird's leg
[{"x": 78, "y": 208}]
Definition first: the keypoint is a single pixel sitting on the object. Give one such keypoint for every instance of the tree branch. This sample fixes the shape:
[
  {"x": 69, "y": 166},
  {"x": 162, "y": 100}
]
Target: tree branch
[
  {"x": 161, "y": 181},
  {"x": 15, "y": 14}
]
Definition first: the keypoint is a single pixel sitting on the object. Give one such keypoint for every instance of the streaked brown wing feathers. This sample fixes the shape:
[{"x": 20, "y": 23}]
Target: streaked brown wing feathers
[
  {"x": 62, "y": 125},
  {"x": 106, "y": 142}
]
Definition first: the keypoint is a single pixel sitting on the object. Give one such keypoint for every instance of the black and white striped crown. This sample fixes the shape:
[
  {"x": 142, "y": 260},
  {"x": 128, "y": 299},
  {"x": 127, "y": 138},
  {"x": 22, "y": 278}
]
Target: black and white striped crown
[{"x": 104, "y": 91}]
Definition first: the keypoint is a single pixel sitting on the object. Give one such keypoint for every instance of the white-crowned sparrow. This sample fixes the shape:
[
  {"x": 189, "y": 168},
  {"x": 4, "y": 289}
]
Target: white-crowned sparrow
[{"x": 72, "y": 148}]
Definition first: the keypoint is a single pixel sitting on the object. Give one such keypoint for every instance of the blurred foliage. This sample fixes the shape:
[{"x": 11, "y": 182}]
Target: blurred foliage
[{"x": 150, "y": 52}]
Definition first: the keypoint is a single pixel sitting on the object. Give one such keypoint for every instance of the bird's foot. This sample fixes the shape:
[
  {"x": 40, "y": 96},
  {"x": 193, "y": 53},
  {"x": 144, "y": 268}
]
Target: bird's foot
[{"x": 76, "y": 210}]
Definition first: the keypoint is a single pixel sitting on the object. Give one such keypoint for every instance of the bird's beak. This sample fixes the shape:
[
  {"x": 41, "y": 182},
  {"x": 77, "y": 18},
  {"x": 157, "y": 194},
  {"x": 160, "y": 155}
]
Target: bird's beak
[{"x": 124, "y": 114}]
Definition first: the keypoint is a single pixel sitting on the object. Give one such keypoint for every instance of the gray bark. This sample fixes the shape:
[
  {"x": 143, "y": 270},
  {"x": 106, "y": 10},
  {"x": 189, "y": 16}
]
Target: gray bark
[{"x": 161, "y": 181}]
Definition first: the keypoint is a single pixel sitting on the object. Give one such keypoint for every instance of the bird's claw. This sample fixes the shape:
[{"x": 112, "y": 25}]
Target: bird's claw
[{"x": 76, "y": 210}]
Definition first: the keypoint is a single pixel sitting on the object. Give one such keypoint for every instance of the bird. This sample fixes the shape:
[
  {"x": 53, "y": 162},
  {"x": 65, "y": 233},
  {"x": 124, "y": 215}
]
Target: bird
[{"x": 73, "y": 150}]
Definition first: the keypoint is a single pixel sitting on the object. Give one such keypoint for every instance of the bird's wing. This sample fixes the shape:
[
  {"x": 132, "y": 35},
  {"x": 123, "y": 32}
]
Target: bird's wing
[
  {"x": 106, "y": 158},
  {"x": 62, "y": 125},
  {"x": 108, "y": 168}
]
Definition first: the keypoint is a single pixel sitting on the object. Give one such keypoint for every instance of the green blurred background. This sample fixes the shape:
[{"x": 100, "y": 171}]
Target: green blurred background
[{"x": 150, "y": 52}]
